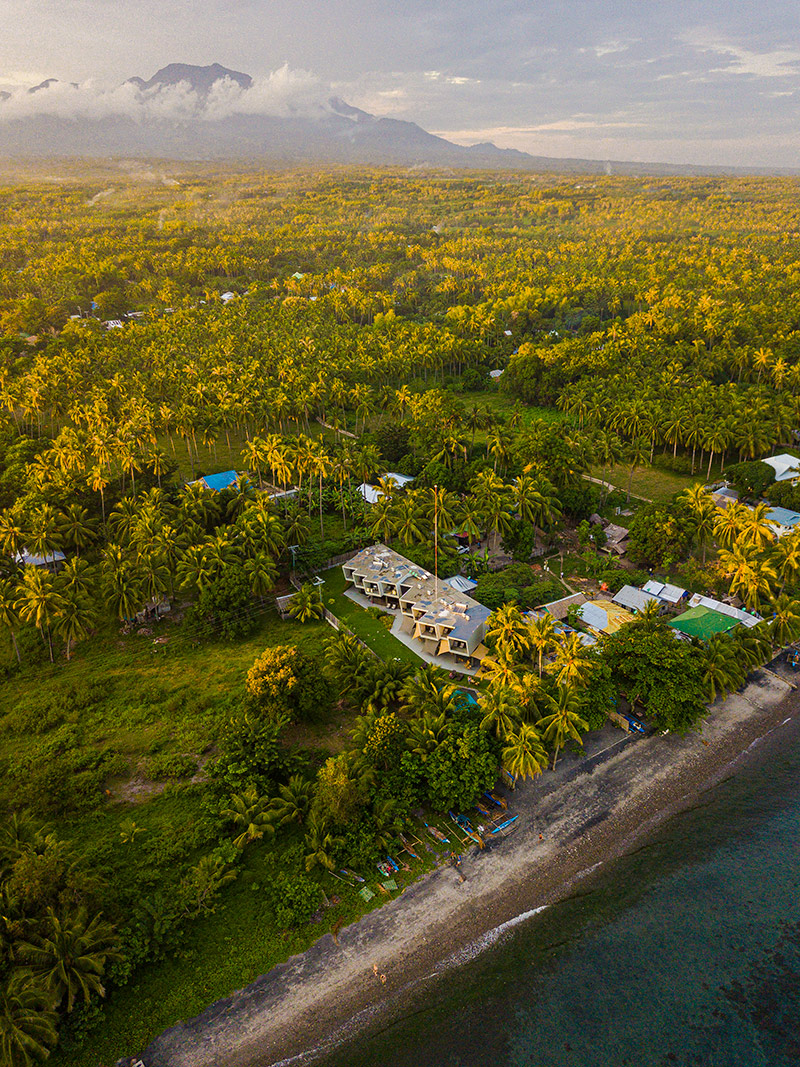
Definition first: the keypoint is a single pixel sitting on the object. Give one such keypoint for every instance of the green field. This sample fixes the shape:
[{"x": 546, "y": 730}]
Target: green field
[
  {"x": 371, "y": 631},
  {"x": 648, "y": 483}
]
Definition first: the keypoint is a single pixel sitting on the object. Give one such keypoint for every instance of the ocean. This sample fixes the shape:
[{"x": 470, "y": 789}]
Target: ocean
[{"x": 683, "y": 953}]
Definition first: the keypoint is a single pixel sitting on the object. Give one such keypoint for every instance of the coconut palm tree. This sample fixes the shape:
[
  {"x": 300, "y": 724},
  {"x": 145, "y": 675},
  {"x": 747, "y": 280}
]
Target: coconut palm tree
[
  {"x": 542, "y": 636},
  {"x": 294, "y": 799},
  {"x": 563, "y": 721},
  {"x": 536, "y": 501},
  {"x": 346, "y": 660},
  {"x": 572, "y": 662},
  {"x": 509, "y": 630},
  {"x": 704, "y": 514},
  {"x": 784, "y": 626},
  {"x": 38, "y": 601},
  {"x": 429, "y": 691},
  {"x": 251, "y": 814},
  {"x": 500, "y": 671},
  {"x": 756, "y": 528},
  {"x": 786, "y": 557},
  {"x": 729, "y": 523},
  {"x": 500, "y": 712},
  {"x": 306, "y": 605},
  {"x": 723, "y": 669},
  {"x": 28, "y": 1026},
  {"x": 320, "y": 845},
  {"x": 523, "y": 754},
  {"x": 75, "y": 616},
  {"x": 425, "y": 734},
  {"x": 9, "y": 614},
  {"x": 67, "y": 955},
  {"x": 751, "y": 578},
  {"x": 636, "y": 454}
]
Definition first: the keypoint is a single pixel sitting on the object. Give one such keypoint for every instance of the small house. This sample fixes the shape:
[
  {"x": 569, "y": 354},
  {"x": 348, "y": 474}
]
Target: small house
[
  {"x": 52, "y": 561},
  {"x": 217, "y": 482},
  {"x": 634, "y": 599}
]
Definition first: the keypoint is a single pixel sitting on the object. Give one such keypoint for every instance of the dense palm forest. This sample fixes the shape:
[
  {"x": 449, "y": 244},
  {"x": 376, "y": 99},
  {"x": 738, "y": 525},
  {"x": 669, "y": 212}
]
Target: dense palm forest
[{"x": 312, "y": 332}]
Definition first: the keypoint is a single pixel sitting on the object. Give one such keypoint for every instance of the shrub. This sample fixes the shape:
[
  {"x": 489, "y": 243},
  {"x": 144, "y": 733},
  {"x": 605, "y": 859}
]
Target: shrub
[
  {"x": 293, "y": 899},
  {"x": 284, "y": 679},
  {"x": 171, "y": 765}
]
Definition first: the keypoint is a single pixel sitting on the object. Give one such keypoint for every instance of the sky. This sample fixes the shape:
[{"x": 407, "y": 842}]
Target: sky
[{"x": 684, "y": 81}]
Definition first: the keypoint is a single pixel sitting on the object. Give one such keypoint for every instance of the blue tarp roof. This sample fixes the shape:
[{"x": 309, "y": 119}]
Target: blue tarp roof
[{"x": 221, "y": 480}]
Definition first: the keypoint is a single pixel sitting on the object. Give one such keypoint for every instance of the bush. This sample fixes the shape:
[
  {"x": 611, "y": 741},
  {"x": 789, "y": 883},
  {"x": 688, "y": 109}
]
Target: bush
[
  {"x": 284, "y": 679},
  {"x": 752, "y": 478},
  {"x": 224, "y": 608},
  {"x": 171, "y": 765},
  {"x": 293, "y": 899}
]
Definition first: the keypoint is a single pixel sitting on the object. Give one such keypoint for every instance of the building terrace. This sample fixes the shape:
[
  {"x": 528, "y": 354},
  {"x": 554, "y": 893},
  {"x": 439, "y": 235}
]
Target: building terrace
[{"x": 443, "y": 620}]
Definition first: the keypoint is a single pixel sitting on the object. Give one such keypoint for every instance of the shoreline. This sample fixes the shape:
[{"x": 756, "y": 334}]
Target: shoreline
[{"x": 304, "y": 1008}]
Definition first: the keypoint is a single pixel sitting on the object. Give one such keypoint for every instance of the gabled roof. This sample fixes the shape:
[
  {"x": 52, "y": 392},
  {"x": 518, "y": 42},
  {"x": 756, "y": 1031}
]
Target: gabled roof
[
  {"x": 604, "y": 616},
  {"x": 672, "y": 594},
  {"x": 724, "y": 609},
  {"x": 786, "y": 467},
  {"x": 635, "y": 599},
  {"x": 783, "y": 517},
  {"x": 28, "y": 559},
  {"x": 400, "y": 480},
  {"x": 370, "y": 493},
  {"x": 559, "y": 609},
  {"x": 217, "y": 482}
]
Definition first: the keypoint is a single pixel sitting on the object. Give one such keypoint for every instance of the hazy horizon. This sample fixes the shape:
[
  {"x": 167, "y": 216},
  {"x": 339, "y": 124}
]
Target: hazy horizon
[{"x": 689, "y": 82}]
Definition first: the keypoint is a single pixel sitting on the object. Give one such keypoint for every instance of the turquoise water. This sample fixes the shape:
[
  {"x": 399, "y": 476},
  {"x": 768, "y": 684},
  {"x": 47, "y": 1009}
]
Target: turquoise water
[{"x": 686, "y": 953}]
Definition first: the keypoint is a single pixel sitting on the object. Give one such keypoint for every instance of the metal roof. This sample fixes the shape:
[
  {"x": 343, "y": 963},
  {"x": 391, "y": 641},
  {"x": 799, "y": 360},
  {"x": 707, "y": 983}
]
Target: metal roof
[
  {"x": 783, "y": 516},
  {"x": 631, "y": 597},
  {"x": 786, "y": 467},
  {"x": 725, "y": 609},
  {"x": 219, "y": 481}
]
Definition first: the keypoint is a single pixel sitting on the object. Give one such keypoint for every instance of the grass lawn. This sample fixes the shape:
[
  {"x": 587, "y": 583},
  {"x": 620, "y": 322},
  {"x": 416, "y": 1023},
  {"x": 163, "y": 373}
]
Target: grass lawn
[
  {"x": 371, "y": 631},
  {"x": 503, "y": 404},
  {"x": 648, "y": 482}
]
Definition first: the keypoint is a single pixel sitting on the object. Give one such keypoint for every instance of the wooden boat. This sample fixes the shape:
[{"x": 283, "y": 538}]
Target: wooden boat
[{"x": 437, "y": 834}]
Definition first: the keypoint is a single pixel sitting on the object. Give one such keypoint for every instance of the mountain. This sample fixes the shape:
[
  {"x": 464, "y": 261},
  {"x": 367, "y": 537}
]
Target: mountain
[
  {"x": 199, "y": 78},
  {"x": 211, "y": 112}
]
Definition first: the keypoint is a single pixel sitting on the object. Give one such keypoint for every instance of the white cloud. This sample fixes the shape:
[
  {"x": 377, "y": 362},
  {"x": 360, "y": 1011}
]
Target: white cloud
[{"x": 284, "y": 92}]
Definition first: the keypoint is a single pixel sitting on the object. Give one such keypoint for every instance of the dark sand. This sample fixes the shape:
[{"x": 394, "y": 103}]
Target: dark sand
[{"x": 303, "y": 1007}]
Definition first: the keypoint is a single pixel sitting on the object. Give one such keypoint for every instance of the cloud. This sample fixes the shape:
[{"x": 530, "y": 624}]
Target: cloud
[{"x": 282, "y": 93}]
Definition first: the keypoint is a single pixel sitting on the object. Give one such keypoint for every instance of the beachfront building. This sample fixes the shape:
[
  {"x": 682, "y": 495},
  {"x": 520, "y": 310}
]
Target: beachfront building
[
  {"x": 444, "y": 621},
  {"x": 703, "y": 623},
  {"x": 706, "y": 617},
  {"x": 783, "y": 521}
]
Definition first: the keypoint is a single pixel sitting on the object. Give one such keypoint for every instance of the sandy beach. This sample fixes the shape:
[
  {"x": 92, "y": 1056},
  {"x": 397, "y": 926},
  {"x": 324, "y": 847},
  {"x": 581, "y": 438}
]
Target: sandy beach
[{"x": 300, "y": 1009}]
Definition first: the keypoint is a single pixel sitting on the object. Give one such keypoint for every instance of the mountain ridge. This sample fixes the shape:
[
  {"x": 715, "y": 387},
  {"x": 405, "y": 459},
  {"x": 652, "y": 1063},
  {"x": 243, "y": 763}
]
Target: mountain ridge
[{"x": 332, "y": 131}]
